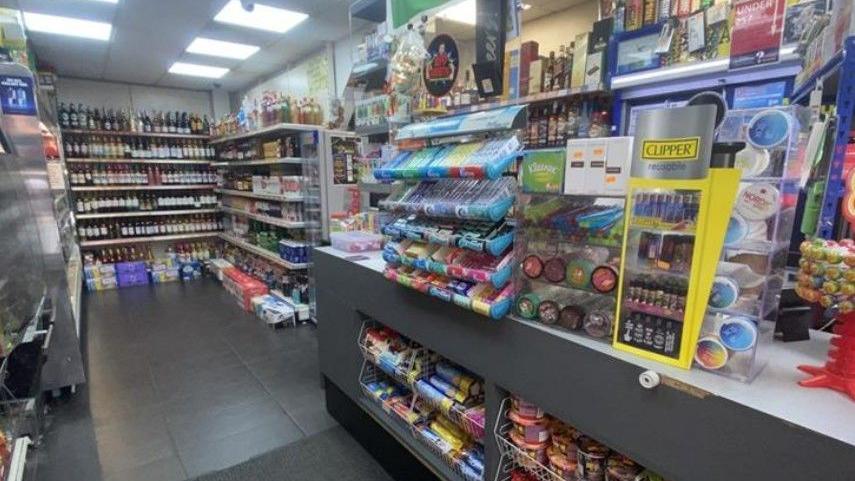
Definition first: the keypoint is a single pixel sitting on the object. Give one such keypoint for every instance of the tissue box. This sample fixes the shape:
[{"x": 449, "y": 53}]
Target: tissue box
[
  {"x": 128, "y": 279},
  {"x": 167, "y": 274},
  {"x": 99, "y": 271}
]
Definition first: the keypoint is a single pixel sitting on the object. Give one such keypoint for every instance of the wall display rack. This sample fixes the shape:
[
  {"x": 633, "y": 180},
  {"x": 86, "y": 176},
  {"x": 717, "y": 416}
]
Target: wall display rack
[
  {"x": 273, "y": 176},
  {"x": 257, "y": 195},
  {"x": 102, "y": 188},
  {"x": 260, "y": 251},
  {"x": 158, "y": 192},
  {"x": 469, "y": 186},
  {"x": 145, "y": 239},
  {"x": 100, "y": 160},
  {"x": 128, "y": 133},
  {"x": 551, "y": 96}
]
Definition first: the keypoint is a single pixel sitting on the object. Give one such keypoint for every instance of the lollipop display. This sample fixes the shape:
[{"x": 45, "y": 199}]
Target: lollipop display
[{"x": 827, "y": 276}]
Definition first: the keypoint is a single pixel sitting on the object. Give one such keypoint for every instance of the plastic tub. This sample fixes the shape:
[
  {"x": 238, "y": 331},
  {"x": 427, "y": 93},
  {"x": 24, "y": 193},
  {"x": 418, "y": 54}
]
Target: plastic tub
[
  {"x": 356, "y": 241},
  {"x": 535, "y": 451},
  {"x": 532, "y": 430},
  {"x": 563, "y": 465},
  {"x": 526, "y": 409},
  {"x": 591, "y": 458}
]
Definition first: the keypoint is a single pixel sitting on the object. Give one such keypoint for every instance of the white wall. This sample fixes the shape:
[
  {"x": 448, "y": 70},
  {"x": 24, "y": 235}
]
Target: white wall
[
  {"x": 118, "y": 95},
  {"x": 560, "y": 28},
  {"x": 295, "y": 81},
  {"x": 220, "y": 103}
]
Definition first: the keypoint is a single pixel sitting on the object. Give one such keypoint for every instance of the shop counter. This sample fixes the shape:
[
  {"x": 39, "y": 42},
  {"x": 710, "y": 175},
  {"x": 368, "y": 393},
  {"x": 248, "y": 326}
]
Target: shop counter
[{"x": 693, "y": 425}]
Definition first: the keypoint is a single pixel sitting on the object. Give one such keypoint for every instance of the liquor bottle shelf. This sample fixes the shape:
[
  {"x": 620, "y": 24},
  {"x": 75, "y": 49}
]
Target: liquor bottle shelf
[
  {"x": 279, "y": 161},
  {"x": 261, "y": 252},
  {"x": 145, "y": 213},
  {"x": 135, "y": 134},
  {"x": 530, "y": 99},
  {"x": 265, "y": 218},
  {"x": 253, "y": 195},
  {"x": 139, "y": 240},
  {"x": 284, "y": 127},
  {"x": 99, "y": 160},
  {"x": 99, "y": 188}
]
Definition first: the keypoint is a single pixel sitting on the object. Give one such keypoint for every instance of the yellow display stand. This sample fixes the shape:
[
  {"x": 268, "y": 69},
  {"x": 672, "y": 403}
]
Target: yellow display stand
[{"x": 662, "y": 296}]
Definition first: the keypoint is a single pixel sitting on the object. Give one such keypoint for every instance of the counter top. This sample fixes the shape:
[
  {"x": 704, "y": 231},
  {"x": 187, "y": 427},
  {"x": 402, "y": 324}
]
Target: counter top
[{"x": 774, "y": 391}]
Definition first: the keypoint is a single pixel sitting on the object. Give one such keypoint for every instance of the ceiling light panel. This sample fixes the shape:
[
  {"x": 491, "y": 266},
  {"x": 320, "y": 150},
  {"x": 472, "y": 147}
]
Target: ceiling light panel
[
  {"x": 74, "y": 27},
  {"x": 262, "y": 17},
  {"x": 195, "y": 70},
  {"x": 219, "y": 48},
  {"x": 462, "y": 12}
]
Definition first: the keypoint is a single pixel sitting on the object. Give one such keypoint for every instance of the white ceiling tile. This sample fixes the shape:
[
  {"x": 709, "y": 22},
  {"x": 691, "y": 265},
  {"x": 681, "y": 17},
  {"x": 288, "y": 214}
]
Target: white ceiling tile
[{"x": 150, "y": 35}]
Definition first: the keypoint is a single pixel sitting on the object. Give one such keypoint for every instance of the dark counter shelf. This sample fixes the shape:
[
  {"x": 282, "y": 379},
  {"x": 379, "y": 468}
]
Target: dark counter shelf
[{"x": 695, "y": 426}]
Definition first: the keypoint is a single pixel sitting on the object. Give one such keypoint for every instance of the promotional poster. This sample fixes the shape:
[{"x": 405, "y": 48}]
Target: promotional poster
[{"x": 758, "y": 27}]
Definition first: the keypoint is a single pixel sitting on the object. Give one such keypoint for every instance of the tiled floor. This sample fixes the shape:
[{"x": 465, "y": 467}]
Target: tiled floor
[{"x": 181, "y": 382}]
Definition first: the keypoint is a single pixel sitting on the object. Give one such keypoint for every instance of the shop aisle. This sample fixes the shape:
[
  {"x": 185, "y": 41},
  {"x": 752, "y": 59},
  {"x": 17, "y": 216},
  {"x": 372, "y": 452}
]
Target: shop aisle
[{"x": 182, "y": 382}]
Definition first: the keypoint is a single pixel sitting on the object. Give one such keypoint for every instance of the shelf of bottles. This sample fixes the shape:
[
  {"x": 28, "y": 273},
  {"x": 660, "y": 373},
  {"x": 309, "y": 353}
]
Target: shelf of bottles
[
  {"x": 274, "y": 113},
  {"x": 138, "y": 177},
  {"x": 88, "y": 120},
  {"x": 269, "y": 186}
]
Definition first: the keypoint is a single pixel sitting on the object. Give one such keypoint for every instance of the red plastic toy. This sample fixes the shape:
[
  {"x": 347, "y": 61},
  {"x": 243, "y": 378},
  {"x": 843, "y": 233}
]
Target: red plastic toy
[{"x": 839, "y": 372}]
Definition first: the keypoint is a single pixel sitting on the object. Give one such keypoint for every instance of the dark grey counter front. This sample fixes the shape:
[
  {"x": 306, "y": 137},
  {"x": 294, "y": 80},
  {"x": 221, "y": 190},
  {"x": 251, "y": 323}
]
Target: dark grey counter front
[{"x": 684, "y": 431}]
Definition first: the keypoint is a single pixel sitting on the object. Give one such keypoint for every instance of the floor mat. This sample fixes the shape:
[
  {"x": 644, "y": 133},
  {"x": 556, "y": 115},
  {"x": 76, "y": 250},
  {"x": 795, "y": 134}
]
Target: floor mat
[{"x": 331, "y": 455}]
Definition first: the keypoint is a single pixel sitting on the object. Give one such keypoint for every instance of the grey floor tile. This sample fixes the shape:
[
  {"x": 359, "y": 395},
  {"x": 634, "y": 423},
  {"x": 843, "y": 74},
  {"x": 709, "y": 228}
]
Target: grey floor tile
[
  {"x": 313, "y": 419},
  {"x": 293, "y": 398},
  {"x": 108, "y": 404},
  {"x": 132, "y": 443},
  {"x": 161, "y": 368},
  {"x": 181, "y": 381},
  {"x": 215, "y": 397},
  {"x": 211, "y": 456},
  {"x": 212, "y": 425},
  {"x": 165, "y": 469}
]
